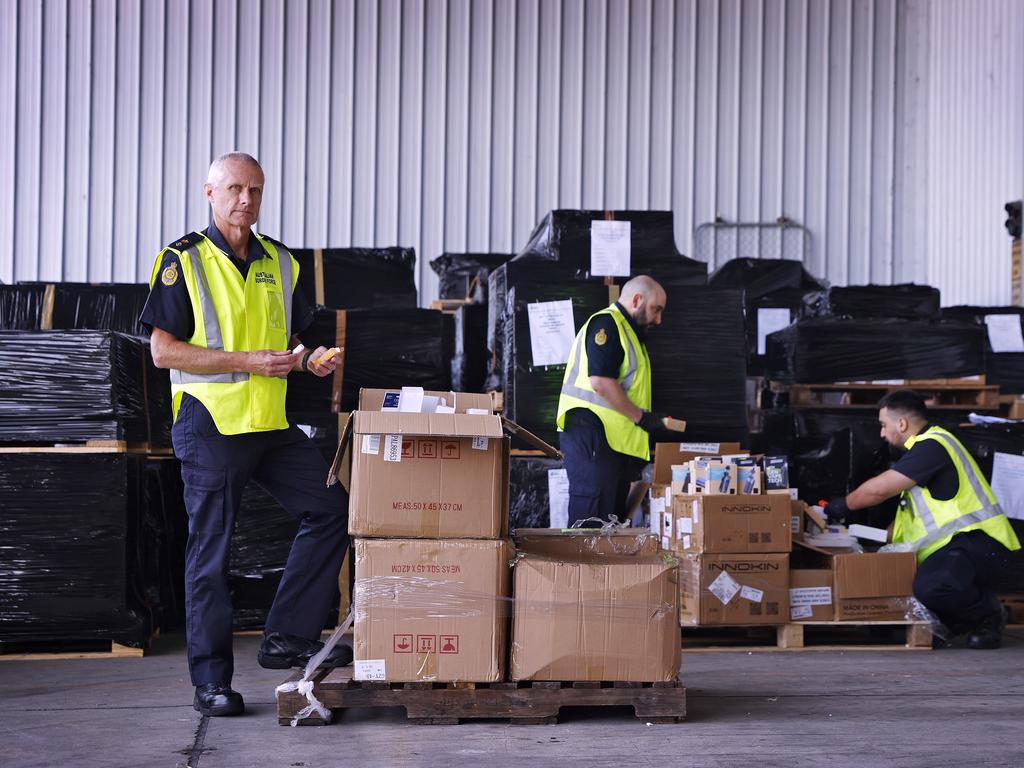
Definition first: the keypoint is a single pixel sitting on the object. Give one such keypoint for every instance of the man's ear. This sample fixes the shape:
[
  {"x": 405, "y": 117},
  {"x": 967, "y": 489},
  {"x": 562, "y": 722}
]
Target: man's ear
[{"x": 903, "y": 424}]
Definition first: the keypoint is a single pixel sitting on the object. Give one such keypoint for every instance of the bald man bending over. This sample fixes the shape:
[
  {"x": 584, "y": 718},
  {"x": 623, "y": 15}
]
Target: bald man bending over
[{"x": 604, "y": 411}]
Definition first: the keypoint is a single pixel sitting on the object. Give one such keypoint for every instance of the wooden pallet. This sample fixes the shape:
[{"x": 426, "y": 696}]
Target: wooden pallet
[
  {"x": 67, "y": 649},
  {"x": 449, "y": 306},
  {"x": 1014, "y": 604},
  {"x": 955, "y": 396},
  {"x": 89, "y": 446},
  {"x": 812, "y": 636},
  {"x": 523, "y": 703}
]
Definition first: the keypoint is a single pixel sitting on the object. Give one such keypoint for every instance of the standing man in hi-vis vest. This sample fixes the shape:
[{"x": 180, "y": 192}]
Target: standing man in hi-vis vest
[
  {"x": 604, "y": 410},
  {"x": 947, "y": 513},
  {"x": 223, "y": 312}
]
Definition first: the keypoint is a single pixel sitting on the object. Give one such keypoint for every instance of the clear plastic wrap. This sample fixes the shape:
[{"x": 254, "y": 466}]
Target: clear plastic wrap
[
  {"x": 80, "y": 385},
  {"x": 1005, "y": 369},
  {"x": 465, "y": 275},
  {"x": 825, "y": 350},
  {"x": 529, "y": 502},
  {"x": 358, "y": 278},
  {"x": 93, "y": 547},
  {"x": 383, "y": 348}
]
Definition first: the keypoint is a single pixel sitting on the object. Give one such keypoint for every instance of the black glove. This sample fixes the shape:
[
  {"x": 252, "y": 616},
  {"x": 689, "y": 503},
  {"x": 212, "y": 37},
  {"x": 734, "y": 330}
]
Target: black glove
[
  {"x": 836, "y": 510},
  {"x": 651, "y": 422}
]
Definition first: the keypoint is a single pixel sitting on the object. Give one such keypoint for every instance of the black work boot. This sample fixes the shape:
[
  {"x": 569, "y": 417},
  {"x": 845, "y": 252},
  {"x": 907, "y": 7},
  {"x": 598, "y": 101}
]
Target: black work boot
[
  {"x": 988, "y": 635},
  {"x": 218, "y": 700},
  {"x": 281, "y": 651}
]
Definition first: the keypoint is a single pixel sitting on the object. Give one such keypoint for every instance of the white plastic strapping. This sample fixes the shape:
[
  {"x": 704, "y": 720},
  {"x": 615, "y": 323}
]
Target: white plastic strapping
[{"x": 305, "y": 685}]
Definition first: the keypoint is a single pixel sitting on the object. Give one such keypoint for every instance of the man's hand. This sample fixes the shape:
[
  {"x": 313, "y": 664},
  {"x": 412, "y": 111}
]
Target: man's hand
[
  {"x": 837, "y": 510},
  {"x": 325, "y": 368},
  {"x": 651, "y": 422},
  {"x": 268, "y": 362}
]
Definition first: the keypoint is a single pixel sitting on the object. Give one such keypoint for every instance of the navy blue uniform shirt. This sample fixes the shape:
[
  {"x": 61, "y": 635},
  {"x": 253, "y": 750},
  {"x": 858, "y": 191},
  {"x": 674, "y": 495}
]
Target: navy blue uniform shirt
[
  {"x": 928, "y": 464},
  {"x": 604, "y": 350},
  {"x": 169, "y": 307}
]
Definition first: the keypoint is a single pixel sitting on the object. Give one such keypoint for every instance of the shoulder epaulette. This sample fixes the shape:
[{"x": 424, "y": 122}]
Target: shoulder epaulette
[
  {"x": 274, "y": 241},
  {"x": 192, "y": 238}
]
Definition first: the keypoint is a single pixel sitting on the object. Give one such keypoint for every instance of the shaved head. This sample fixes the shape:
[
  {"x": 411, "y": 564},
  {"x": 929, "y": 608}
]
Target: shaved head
[
  {"x": 644, "y": 299},
  {"x": 218, "y": 168}
]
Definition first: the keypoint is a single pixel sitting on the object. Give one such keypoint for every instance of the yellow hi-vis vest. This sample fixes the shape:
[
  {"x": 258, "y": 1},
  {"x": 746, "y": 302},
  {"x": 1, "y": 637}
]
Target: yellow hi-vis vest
[
  {"x": 235, "y": 315},
  {"x": 634, "y": 375},
  {"x": 929, "y": 523}
]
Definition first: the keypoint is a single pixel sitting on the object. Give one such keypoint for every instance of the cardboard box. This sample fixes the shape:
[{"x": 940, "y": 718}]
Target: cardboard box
[
  {"x": 573, "y": 543},
  {"x": 667, "y": 454},
  {"x": 731, "y": 523},
  {"x": 811, "y": 595},
  {"x": 874, "y": 586},
  {"x": 431, "y": 609},
  {"x": 596, "y": 619},
  {"x": 733, "y": 589},
  {"x": 660, "y": 503}
]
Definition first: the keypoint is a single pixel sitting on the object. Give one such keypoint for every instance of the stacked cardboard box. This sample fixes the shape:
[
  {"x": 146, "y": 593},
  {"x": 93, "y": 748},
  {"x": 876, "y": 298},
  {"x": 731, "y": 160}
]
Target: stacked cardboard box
[
  {"x": 429, "y": 510},
  {"x": 593, "y": 605},
  {"x": 733, "y": 547}
]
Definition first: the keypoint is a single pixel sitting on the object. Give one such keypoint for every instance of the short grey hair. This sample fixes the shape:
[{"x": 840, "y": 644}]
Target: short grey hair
[{"x": 217, "y": 166}]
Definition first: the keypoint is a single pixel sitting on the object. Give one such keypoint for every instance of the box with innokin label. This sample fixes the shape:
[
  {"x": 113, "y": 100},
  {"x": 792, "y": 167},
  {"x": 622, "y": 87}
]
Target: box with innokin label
[
  {"x": 733, "y": 589},
  {"x": 729, "y": 523}
]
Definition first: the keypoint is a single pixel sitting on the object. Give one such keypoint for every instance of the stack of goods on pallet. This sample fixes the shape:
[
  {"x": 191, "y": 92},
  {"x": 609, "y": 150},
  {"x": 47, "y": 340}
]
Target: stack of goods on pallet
[
  {"x": 775, "y": 293},
  {"x": 66, "y": 306},
  {"x": 1003, "y": 343},
  {"x": 428, "y": 511},
  {"x": 358, "y": 278},
  {"x": 81, "y": 385},
  {"x": 594, "y": 605},
  {"x": 95, "y": 547},
  {"x": 538, "y": 493},
  {"x": 470, "y": 358},
  {"x": 382, "y": 347},
  {"x": 464, "y": 276},
  {"x": 728, "y": 518}
]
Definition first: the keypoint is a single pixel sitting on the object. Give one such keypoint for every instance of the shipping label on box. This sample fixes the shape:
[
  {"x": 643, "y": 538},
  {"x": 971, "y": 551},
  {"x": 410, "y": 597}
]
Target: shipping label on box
[
  {"x": 733, "y": 589},
  {"x": 731, "y": 523},
  {"x": 431, "y": 609},
  {"x": 810, "y": 595},
  {"x": 599, "y": 619}
]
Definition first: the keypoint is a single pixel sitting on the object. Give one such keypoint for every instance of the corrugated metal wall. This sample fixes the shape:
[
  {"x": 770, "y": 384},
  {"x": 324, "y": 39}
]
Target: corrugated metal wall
[{"x": 890, "y": 129}]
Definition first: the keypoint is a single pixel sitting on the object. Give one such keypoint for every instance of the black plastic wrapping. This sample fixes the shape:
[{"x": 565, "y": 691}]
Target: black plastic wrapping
[
  {"x": 1005, "y": 369},
  {"x": 531, "y": 393},
  {"x": 907, "y": 300},
  {"x": 92, "y": 547},
  {"x": 383, "y": 348},
  {"x": 529, "y": 502},
  {"x": 563, "y": 236},
  {"x": 1013, "y": 218},
  {"x": 767, "y": 284},
  {"x": 824, "y": 350},
  {"x": 81, "y": 385},
  {"x": 357, "y": 278},
  {"x": 698, "y": 362},
  {"x": 465, "y": 275},
  {"x": 470, "y": 360},
  {"x": 102, "y": 307}
]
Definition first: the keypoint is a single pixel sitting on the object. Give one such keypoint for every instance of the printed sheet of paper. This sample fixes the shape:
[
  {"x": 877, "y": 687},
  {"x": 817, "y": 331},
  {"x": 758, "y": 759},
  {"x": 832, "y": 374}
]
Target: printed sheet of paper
[
  {"x": 1004, "y": 333},
  {"x": 558, "y": 498},
  {"x": 1008, "y": 483},
  {"x": 552, "y": 331},
  {"x": 610, "y": 248}
]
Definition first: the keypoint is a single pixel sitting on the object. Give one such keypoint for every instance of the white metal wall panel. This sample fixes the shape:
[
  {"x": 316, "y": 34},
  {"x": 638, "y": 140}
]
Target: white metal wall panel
[{"x": 890, "y": 129}]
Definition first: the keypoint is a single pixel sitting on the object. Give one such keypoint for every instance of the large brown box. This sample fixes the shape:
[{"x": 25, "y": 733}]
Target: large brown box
[
  {"x": 874, "y": 586},
  {"x": 733, "y": 589},
  {"x": 723, "y": 523},
  {"x": 428, "y": 475},
  {"x": 431, "y": 610},
  {"x": 605, "y": 618},
  {"x": 667, "y": 454}
]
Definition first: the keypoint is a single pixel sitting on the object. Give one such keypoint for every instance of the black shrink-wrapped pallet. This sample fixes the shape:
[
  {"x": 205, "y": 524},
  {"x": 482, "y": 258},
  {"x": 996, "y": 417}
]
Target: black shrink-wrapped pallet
[
  {"x": 465, "y": 275},
  {"x": 531, "y": 392},
  {"x": 563, "y": 237},
  {"x": 907, "y": 300},
  {"x": 68, "y": 306},
  {"x": 93, "y": 548},
  {"x": 74, "y": 386},
  {"x": 358, "y": 278},
  {"x": 529, "y": 500},
  {"x": 698, "y": 362},
  {"x": 470, "y": 359},
  {"x": 383, "y": 348},
  {"x": 1005, "y": 369},
  {"x": 824, "y": 350},
  {"x": 21, "y": 307}
]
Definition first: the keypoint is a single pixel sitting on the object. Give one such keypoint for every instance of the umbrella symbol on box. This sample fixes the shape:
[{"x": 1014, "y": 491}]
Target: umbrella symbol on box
[{"x": 403, "y": 644}]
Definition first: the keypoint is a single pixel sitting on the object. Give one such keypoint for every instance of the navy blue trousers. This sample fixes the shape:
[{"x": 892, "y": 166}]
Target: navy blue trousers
[
  {"x": 215, "y": 469},
  {"x": 957, "y": 582},
  {"x": 599, "y": 477}
]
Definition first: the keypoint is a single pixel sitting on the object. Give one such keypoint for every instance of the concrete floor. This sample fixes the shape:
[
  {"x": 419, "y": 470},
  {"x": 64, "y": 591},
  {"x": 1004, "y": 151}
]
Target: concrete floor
[{"x": 897, "y": 709}]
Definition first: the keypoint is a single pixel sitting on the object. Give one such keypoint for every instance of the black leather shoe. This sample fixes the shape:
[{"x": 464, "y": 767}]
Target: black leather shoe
[
  {"x": 988, "y": 635},
  {"x": 280, "y": 651},
  {"x": 218, "y": 700}
]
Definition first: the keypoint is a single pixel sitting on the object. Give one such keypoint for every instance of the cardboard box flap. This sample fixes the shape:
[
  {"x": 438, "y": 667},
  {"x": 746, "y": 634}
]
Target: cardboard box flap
[
  {"x": 439, "y": 424},
  {"x": 882, "y": 574},
  {"x": 573, "y": 542},
  {"x": 373, "y": 399},
  {"x": 339, "y": 463},
  {"x": 526, "y": 435}
]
